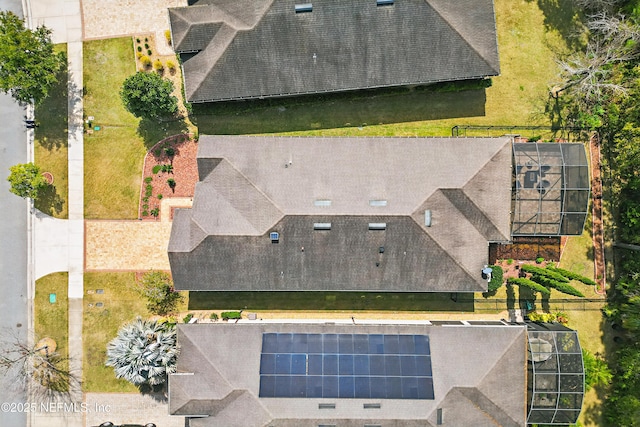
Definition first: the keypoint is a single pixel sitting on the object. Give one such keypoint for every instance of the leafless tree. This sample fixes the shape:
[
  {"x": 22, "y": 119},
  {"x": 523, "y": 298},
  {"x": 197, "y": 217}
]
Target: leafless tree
[
  {"x": 597, "y": 5},
  {"x": 42, "y": 373},
  {"x": 613, "y": 40}
]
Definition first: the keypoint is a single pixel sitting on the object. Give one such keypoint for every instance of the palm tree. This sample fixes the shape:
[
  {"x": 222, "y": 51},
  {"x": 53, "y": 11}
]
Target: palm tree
[{"x": 144, "y": 352}]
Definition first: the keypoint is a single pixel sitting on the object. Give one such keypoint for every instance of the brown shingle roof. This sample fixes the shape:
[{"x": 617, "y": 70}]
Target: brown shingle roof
[
  {"x": 263, "y": 48},
  {"x": 252, "y": 186}
]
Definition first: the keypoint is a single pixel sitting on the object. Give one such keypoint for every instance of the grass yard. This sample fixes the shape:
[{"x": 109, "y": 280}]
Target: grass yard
[
  {"x": 115, "y": 153},
  {"x": 528, "y": 39},
  {"x": 50, "y": 148},
  {"x": 121, "y": 305},
  {"x": 52, "y": 320},
  {"x": 329, "y": 301}
]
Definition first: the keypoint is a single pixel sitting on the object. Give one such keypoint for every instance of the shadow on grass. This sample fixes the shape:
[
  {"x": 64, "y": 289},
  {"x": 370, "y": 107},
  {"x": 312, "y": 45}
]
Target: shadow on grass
[
  {"x": 565, "y": 17},
  {"x": 49, "y": 201},
  {"x": 338, "y": 110},
  {"x": 331, "y": 301},
  {"x": 153, "y": 131},
  {"x": 52, "y": 116}
]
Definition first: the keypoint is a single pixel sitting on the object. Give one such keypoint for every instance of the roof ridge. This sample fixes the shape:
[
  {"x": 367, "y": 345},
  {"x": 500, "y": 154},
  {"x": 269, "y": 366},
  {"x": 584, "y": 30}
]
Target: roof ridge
[
  {"x": 462, "y": 36},
  {"x": 467, "y": 211}
]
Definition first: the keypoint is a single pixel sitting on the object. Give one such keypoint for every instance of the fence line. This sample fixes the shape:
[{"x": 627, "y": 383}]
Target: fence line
[{"x": 554, "y": 304}]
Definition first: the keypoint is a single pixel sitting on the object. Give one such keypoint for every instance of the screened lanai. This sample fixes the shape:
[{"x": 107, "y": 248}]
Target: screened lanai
[
  {"x": 551, "y": 188},
  {"x": 555, "y": 378}
]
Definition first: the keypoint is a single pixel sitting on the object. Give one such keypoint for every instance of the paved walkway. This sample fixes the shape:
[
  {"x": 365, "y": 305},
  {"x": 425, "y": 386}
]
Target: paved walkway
[
  {"x": 115, "y": 18},
  {"x": 128, "y": 408},
  {"x": 131, "y": 245}
]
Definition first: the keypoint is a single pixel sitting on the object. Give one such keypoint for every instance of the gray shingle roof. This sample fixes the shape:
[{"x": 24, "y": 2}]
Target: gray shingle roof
[
  {"x": 262, "y": 48},
  {"x": 251, "y": 186},
  {"x": 479, "y": 377}
]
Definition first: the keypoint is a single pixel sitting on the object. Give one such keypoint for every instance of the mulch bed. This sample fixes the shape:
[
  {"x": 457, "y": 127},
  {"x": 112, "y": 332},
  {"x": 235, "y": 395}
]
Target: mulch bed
[{"x": 185, "y": 173}]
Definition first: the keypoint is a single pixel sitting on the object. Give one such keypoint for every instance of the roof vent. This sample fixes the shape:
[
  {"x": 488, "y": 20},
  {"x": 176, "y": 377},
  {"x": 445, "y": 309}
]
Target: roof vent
[
  {"x": 304, "y": 7},
  {"x": 384, "y": 2},
  {"x": 377, "y": 203},
  {"x": 371, "y": 406},
  {"x": 274, "y": 236},
  {"x": 326, "y": 406},
  {"x": 427, "y": 218},
  {"x": 322, "y": 203},
  {"x": 439, "y": 416},
  {"x": 322, "y": 226},
  {"x": 377, "y": 226}
]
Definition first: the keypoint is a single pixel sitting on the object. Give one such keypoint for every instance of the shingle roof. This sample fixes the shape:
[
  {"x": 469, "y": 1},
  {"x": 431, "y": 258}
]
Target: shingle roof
[
  {"x": 251, "y": 186},
  {"x": 263, "y": 48},
  {"x": 479, "y": 377}
]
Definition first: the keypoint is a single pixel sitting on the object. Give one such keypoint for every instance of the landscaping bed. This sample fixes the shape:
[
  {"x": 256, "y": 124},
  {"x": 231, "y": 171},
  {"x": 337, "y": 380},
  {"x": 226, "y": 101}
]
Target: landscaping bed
[{"x": 173, "y": 158}]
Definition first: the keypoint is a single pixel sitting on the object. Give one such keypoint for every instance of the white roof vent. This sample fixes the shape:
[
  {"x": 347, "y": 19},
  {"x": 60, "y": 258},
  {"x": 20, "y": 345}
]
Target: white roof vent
[
  {"x": 322, "y": 226},
  {"x": 322, "y": 203},
  {"x": 303, "y": 8},
  {"x": 427, "y": 218},
  {"x": 377, "y": 226},
  {"x": 377, "y": 203}
]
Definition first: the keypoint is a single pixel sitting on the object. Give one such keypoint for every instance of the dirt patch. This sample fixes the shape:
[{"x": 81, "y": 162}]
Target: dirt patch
[{"x": 177, "y": 153}]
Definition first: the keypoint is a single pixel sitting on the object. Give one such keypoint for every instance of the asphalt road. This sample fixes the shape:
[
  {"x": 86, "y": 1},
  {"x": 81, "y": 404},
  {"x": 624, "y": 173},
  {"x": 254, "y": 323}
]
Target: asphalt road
[{"x": 13, "y": 243}]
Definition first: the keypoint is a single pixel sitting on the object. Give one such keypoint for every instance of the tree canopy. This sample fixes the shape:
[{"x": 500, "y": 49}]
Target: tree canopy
[
  {"x": 29, "y": 65},
  {"x": 144, "y": 352},
  {"x": 148, "y": 96},
  {"x": 161, "y": 296},
  {"x": 26, "y": 180}
]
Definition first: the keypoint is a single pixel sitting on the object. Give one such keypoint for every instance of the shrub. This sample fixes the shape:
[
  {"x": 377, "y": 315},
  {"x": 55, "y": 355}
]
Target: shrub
[
  {"x": 145, "y": 206},
  {"x": 145, "y": 213},
  {"x": 171, "y": 65},
  {"x": 168, "y": 168},
  {"x": 137, "y": 40},
  {"x": 539, "y": 260},
  {"x": 167, "y": 35},
  {"x": 145, "y": 61},
  {"x": 528, "y": 284},
  {"x": 226, "y": 315},
  {"x": 139, "y": 48},
  {"x": 541, "y": 317},
  {"x": 149, "y": 52},
  {"x": 214, "y": 316},
  {"x": 544, "y": 272},
  {"x": 565, "y": 288},
  {"x": 510, "y": 261},
  {"x": 155, "y": 212},
  {"x": 571, "y": 275},
  {"x": 146, "y": 45},
  {"x": 157, "y": 168},
  {"x": 172, "y": 183},
  {"x": 157, "y": 64},
  {"x": 187, "y": 318},
  {"x": 596, "y": 370},
  {"x": 169, "y": 320},
  {"x": 148, "y": 180},
  {"x": 496, "y": 278},
  {"x": 159, "y": 196},
  {"x": 139, "y": 55},
  {"x": 146, "y": 39},
  {"x": 169, "y": 151}
]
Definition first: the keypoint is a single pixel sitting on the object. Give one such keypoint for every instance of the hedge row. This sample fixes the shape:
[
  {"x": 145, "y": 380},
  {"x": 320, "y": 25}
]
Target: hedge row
[
  {"x": 230, "y": 315},
  {"x": 544, "y": 272},
  {"x": 496, "y": 278},
  {"x": 565, "y": 288},
  {"x": 528, "y": 284},
  {"x": 571, "y": 275}
]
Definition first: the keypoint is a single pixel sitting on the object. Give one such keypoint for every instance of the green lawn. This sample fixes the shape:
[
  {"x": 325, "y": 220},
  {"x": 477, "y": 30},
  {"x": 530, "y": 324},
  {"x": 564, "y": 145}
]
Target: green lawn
[
  {"x": 329, "y": 301},
  {"x": 115, "y": 153},
  {"x": 52, "y": 319},
  {"x": 527, "y": 41},
  {"x": 50, "y": 148},
  {"x": 121, "y": 305}
]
